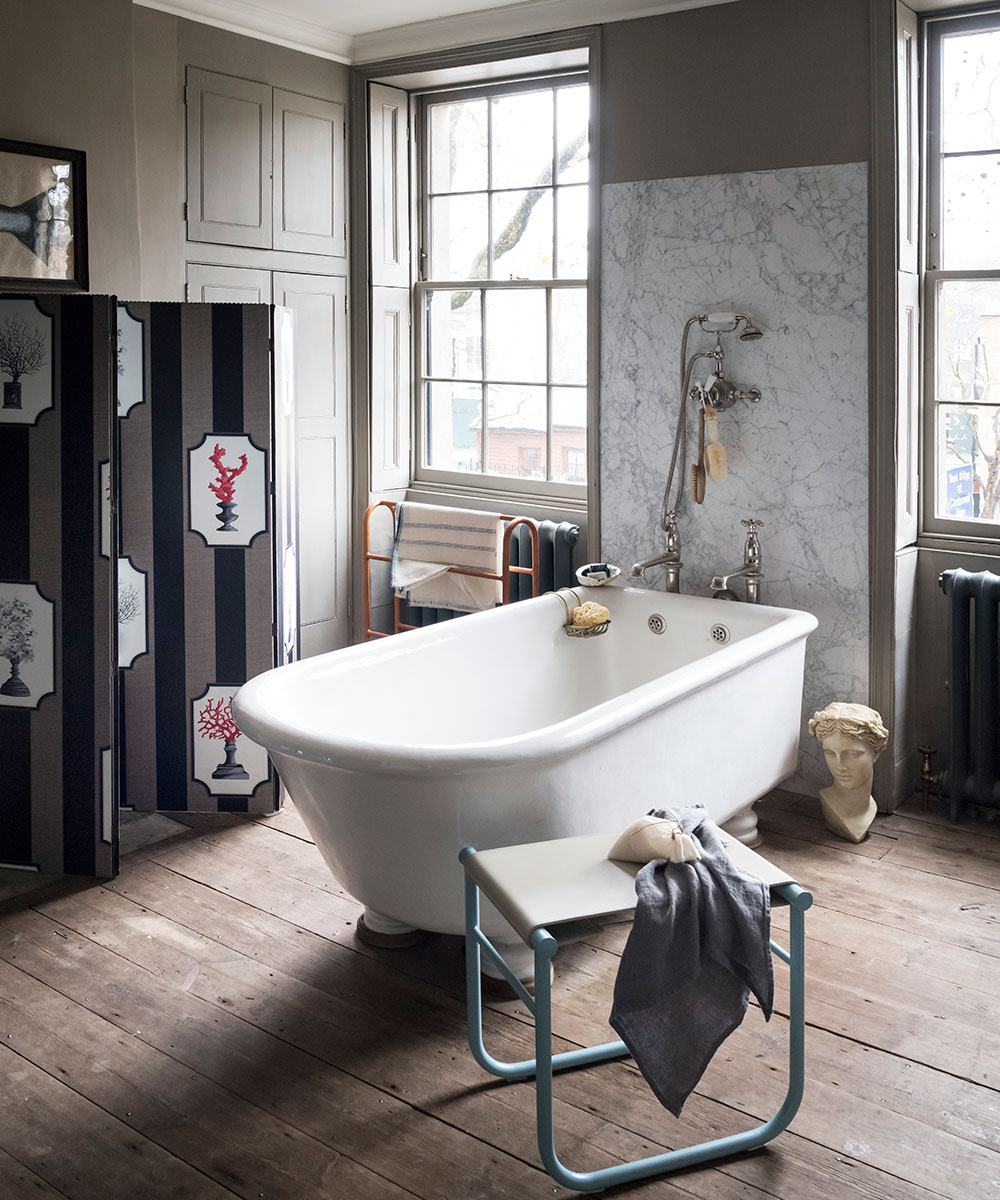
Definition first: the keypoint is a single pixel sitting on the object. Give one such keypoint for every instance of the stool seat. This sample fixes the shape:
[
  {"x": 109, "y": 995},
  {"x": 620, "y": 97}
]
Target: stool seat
[
  {"x": 569, "y": 879},
  {"x": 545, "y": 884}
]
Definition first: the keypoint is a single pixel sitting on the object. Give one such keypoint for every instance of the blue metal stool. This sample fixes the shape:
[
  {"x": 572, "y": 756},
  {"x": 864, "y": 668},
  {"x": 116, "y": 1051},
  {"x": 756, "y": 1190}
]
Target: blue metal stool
[{"x": 547, "y": 883}]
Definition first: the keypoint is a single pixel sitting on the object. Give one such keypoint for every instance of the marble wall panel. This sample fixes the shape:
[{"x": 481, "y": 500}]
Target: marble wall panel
[{"x": 790, "y": 248}]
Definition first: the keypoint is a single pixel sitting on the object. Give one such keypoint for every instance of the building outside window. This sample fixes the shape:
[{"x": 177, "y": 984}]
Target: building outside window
[
  {"x": 501, "y": 304},
  {"x": 962, "y": 275}
]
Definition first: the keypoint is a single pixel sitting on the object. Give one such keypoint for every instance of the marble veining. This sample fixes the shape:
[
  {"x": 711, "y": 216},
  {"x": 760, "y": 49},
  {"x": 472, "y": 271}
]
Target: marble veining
[{"x": 790, "y": 248}]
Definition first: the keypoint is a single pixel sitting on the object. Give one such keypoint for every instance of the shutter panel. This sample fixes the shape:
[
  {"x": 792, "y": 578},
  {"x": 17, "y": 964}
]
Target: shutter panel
[
  {"x": 389, "y": 173},
  {"x": 390, "y": 378}
]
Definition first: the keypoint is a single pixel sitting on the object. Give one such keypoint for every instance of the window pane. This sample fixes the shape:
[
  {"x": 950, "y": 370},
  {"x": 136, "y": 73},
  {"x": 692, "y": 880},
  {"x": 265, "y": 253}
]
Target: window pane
[
  {"x": 968, "y": 341},
  {"x": 971, "y": 212},
  {"x": 970, "y": 99},
  {"x": 522, "y": 234},
  {"x": 454, "y": 414},
  {"x": 459, "y": 238},
  {"x": 454, "y": 335},
  {"x": 572, "y": 118},
  {"x": 517, "y": 431},
  {"x": 458, "y": 147},
  {"x": 967, "y": 483},
  {"x": 571, "y": 257},
  {"x": 569, "y": 435},
  {"x": 515, "y": 335},
  {"x": 522, "y": 140},
  {"x": 569, "y": 335}
]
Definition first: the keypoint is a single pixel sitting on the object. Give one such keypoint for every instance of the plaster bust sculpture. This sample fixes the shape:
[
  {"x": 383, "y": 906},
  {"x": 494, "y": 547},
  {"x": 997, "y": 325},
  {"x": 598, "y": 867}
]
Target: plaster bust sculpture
[{"x": 852, "y": 737}]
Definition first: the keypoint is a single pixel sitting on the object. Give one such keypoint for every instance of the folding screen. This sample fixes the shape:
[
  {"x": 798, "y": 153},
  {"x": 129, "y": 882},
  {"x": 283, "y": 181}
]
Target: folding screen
[
  {"x": 57, "y": 771},
  {"x": 194, "y": 387}
]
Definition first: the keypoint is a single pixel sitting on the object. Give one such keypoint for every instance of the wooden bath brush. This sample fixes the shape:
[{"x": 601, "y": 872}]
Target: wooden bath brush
[
  {"x": 715, "y": 452},
  {"x": 698, "y": 468}
]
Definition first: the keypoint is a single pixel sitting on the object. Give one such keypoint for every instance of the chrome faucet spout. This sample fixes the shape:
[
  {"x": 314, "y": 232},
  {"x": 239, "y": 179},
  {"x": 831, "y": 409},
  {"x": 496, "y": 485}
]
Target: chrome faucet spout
[
  {"x": 639, "y": 569},
  {"x": 670, "y": 558}
]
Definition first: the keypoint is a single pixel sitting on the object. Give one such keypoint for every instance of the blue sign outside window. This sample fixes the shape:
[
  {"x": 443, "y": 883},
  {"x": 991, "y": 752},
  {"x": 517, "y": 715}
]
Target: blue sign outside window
[{"x": 959, "y": 492}]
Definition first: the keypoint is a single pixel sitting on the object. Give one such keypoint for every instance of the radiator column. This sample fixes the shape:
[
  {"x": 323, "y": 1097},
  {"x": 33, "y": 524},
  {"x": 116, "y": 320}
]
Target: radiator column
[{"x": 974, "y": 773}]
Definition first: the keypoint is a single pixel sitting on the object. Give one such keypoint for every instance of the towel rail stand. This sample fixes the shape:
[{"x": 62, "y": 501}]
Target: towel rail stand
[{"x": 503, "y": 578}]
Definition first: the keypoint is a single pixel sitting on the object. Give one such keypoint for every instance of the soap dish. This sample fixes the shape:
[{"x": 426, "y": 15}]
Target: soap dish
[
  {"x": 585, "y": 631},
  {"x": 597, "y": 574},
  {"x": 579, "y": 631}
]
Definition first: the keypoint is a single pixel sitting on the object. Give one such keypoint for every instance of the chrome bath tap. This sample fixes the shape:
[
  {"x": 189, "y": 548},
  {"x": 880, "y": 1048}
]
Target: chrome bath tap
[
  {"x": 750, "y": 570},
  {"x": 670, "y": 558}
]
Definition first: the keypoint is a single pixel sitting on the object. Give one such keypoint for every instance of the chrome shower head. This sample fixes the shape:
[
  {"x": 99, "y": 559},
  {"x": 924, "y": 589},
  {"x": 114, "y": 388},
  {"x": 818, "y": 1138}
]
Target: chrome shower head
[{"x": 729, "y": 322}]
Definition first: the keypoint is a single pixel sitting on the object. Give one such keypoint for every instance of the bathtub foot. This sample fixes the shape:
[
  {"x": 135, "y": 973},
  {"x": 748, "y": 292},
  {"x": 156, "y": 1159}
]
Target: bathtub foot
[
  {"x": 743, "y": 827},
  {"x": 375, "y": 929}
]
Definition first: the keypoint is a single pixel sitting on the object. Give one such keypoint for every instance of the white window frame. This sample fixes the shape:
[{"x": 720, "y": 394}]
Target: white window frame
[
  {"x": 936, "y": 529},
  {"x": 481, "y": 483}
]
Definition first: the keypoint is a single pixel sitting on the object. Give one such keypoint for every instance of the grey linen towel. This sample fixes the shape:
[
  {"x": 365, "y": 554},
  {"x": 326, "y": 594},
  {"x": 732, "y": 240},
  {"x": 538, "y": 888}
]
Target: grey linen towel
[{"x": 699, "y": 944}]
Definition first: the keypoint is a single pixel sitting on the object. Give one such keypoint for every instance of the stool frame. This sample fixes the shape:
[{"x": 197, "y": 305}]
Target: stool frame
[{"x": 545, "y": 1063}]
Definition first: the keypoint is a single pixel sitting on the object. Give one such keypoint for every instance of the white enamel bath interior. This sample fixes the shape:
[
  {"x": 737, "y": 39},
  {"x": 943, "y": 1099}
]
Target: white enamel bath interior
[{"x": 498, "y": 729}]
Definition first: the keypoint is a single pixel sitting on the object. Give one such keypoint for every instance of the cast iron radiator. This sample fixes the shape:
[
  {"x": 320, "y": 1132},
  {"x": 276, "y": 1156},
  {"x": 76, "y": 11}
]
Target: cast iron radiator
[
  {"x": 557, "y": 542},
  {"x": 974, "y": 772}
]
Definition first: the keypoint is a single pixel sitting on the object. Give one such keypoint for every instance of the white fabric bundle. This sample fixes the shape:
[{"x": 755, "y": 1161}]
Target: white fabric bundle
[{"x": 651, "y": 838}]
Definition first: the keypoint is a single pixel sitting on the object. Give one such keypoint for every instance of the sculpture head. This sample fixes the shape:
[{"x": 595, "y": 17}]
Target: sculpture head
[{"x": 852, "y": 737}]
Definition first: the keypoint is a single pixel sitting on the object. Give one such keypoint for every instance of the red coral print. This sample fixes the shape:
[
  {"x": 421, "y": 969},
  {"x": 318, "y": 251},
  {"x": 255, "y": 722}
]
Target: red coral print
[
  {"x": 223, "y": 486},
  {"x": 216, "y": 721}
]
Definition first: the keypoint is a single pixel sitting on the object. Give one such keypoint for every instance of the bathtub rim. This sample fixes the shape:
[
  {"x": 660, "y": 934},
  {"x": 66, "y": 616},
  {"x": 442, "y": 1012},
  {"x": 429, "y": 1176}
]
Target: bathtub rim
[{"x": 545, "y": 744}]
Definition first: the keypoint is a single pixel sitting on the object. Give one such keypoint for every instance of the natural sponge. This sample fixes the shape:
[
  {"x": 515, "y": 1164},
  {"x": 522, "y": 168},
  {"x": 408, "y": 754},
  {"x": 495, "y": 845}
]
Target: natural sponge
[{"x": 589, "y": 614}]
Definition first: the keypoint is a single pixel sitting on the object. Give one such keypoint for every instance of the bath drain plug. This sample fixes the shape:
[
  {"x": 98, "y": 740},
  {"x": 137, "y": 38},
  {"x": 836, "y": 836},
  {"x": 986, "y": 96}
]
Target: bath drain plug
[
  {"x": 656, "y": 623},
  {"x": 719, "y": 634}
]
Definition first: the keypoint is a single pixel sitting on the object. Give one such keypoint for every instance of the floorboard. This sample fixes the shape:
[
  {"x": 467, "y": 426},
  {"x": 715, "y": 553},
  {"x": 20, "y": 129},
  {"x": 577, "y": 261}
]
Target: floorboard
[{"x": 208, "y": 1025}]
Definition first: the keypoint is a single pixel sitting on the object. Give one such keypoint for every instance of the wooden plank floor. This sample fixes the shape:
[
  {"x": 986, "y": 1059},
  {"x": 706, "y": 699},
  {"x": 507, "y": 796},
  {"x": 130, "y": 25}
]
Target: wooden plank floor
[{"x": 208, "y": 1026}]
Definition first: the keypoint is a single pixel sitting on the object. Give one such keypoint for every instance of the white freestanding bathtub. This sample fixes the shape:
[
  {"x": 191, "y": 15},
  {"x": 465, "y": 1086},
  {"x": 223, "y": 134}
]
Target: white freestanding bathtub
[{"x": 498, "y": 729}]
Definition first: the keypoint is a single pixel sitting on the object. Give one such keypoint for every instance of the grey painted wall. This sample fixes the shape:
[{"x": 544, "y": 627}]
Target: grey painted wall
[
  {"x": 67, "y": 81},
  {"x": 757, "y": 85},
  {"x": 159, "y": 136}
]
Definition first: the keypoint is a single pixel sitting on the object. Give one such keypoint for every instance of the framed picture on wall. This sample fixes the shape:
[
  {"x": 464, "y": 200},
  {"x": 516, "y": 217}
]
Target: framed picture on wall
[{"x": 43, "y": 217}]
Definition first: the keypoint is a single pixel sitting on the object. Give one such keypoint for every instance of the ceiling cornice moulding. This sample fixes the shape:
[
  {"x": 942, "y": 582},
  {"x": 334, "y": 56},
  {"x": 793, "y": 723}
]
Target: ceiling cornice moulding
[
  {"x": 267, "y": 23},
  {"x": 515, "y": 20},
  {"x": 261, "y": 22}
]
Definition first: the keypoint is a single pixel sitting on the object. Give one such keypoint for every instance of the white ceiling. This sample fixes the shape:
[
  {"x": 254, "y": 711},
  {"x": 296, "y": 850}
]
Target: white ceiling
[{"x": 354, "y": 31}]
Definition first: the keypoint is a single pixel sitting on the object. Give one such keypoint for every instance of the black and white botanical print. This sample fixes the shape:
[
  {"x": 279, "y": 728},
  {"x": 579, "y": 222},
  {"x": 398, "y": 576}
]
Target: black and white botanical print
[
  {"x": 129, "y": 360},
  {"x": 132, "y": 622},
  {"x": 27, "y": 649},
  {"x": 25, "y": 361}
]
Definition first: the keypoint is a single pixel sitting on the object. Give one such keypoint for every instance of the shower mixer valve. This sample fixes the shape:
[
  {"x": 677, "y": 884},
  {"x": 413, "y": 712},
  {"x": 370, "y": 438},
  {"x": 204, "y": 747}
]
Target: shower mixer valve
[{"x": 721, "y": 393}]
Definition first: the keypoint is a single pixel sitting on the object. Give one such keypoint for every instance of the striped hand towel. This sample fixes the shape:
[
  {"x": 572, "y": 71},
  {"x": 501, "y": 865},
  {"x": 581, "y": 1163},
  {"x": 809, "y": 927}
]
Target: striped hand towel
[{"x": 429, "y": 540}]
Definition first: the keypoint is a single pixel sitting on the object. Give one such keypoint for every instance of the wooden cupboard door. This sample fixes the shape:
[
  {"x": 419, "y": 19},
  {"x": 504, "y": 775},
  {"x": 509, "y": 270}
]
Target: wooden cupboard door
[
  {"x": 323, "y": 455},
  {"x": 209, "y": 283},
  {"x": 310, "y": 211},
  {"x": 228, "y": 160}
]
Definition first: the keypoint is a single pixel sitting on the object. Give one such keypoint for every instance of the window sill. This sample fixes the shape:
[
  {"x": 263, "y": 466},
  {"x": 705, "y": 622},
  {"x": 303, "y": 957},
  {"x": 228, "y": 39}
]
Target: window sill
[{"x": 960, "y": 544}]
